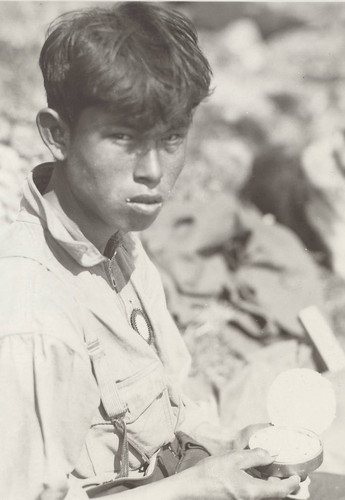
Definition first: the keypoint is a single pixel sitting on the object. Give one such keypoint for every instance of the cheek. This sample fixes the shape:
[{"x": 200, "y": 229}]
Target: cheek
[
  {"x": 175, "y": 167},
  {"x": 98, "y": 171}
]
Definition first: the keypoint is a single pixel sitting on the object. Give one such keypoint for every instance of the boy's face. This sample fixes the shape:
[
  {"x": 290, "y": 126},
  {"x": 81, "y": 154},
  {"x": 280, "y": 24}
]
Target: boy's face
[{"x": 120, "y": 176}]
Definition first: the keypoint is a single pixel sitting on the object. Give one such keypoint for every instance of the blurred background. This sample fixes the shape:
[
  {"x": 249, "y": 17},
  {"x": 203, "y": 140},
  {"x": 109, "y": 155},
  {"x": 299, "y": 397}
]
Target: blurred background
[{"x": 255, "y": 230}]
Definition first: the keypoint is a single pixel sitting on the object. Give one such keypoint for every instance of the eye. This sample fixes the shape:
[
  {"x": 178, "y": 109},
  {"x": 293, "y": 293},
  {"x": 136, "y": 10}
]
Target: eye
[
  {"x": 120, "y": 136},
  {"x": 174, "y": 138}
]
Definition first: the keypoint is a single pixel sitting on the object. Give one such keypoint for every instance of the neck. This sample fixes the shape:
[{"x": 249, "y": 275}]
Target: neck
[{"x": 61, "y": 198}]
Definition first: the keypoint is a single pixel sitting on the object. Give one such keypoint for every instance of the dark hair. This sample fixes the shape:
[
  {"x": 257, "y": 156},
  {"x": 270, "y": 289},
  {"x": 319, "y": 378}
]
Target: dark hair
[{"x": 138, "y": 58}]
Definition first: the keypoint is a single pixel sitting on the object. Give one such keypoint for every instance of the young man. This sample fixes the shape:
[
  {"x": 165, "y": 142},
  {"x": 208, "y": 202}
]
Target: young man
[{"x": 92, "y": 366}]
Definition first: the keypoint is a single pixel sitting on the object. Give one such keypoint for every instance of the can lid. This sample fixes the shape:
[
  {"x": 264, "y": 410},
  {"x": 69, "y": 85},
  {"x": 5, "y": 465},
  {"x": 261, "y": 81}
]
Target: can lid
[{"x": 301, "y": 397}]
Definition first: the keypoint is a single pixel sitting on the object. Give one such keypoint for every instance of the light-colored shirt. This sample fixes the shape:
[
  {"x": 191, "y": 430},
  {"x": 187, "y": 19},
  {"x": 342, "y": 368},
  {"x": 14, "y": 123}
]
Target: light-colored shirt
[{"x": 55, "y": 291}]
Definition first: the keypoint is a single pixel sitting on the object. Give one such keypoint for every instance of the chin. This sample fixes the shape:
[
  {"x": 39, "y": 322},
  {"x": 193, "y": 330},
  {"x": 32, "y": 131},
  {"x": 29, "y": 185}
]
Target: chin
[{"x": 142, "y": 223}]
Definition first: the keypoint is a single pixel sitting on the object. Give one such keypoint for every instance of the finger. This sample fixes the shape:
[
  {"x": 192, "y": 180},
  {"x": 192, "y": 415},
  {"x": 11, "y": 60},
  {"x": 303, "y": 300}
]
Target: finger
[
  {"x": 242, "y": 439},
  {"x": 277, "y": 481},
  {"x": 277, "y": 488},
  {"x": 254, "y": 472},
  {"x": 255, "y": 428},
  {"x": 246, "y": 459}
]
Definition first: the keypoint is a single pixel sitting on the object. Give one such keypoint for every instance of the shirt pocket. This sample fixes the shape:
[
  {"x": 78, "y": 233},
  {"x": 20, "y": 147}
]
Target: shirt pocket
[{"x": 149, "y": 420}]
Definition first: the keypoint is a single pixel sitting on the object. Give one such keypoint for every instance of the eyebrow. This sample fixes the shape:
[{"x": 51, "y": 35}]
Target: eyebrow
[
  {"x": 139, "y": 125},
  {"x": 123, "y": 118},
  {"x": 142, "y": 130}
]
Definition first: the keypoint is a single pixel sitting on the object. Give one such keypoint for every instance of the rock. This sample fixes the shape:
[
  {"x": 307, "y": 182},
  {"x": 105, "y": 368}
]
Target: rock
[
  {"x": 242, "y": 42},
  {"x": 231, "y": 158},
  {"x": 26, "y": 141},
  {"x": 12, "y": 172},
  {"x": 308, "y": 54},
  {"x": 10, "y": 161},
  {"x": 5, "y": 129}
]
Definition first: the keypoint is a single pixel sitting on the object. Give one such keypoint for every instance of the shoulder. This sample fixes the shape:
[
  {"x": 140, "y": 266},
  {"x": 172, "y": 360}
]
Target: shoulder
[
  {"x": 27, "y": 235},
  {"x": 32, "y": 298},
  {"x": 43, "y": 373}
]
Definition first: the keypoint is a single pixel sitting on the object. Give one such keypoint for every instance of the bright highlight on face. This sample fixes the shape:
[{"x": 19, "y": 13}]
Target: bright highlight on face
[{"x": 119, "y": 176}]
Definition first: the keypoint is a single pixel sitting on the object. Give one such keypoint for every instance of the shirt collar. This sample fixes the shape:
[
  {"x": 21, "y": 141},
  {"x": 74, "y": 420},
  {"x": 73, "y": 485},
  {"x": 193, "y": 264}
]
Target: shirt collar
[{"x": 64, "y": 230}]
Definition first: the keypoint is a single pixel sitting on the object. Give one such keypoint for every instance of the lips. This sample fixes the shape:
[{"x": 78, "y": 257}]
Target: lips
[
  {"x": 147, "y": 205},
  {"x": 146, "y": 199}
]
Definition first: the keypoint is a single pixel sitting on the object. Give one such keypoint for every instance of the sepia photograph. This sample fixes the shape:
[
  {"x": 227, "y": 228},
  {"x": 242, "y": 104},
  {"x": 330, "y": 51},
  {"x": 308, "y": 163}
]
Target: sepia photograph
[{"x": 172, "y": 250}]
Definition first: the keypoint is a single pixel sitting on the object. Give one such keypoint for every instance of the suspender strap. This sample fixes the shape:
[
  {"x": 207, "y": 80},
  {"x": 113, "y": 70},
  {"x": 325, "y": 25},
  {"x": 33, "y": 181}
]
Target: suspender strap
[
  {"x": 111, "y": 399},
  {"x": 120, "y": 425}
]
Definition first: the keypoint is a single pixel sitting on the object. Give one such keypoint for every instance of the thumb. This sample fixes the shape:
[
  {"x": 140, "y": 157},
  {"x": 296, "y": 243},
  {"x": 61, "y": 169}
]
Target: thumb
[
  {"x": 247, "y": 459},
  {"x": 241, "y": 440}
]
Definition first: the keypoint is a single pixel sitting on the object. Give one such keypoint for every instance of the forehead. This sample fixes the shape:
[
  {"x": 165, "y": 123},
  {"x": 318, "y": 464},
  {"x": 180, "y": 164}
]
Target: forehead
[{"x": 103, "y": 119}]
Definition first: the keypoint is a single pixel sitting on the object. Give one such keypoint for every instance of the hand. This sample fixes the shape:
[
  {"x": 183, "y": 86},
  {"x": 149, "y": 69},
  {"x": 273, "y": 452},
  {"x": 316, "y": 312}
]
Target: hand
[
  {"x": 220, "y": 439},
  {"x": 225, "y": 478}
]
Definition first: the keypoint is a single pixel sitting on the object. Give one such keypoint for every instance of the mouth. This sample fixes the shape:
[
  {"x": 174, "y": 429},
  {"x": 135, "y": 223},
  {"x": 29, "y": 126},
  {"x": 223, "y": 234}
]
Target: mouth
[
  {"x": 149, "y": 199},
  {"x": 147, "y": 204}
]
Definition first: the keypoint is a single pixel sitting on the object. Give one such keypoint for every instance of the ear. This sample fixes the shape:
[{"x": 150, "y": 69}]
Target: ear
[{"x": 54, "y": 131}]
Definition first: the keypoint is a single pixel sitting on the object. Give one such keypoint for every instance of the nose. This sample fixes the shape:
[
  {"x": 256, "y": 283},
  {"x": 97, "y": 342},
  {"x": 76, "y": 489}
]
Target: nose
[{"x": 148, "y": 168}]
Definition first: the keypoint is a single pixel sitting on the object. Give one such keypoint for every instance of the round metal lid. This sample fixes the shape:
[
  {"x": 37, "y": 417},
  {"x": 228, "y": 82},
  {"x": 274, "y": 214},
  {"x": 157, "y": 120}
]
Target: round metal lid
[{"x": 301, "y": 397}]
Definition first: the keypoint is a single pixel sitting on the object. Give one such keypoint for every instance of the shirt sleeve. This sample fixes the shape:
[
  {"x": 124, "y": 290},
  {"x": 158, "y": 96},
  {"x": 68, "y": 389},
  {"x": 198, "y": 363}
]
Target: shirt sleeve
[{"x": 48, "y": 397}]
